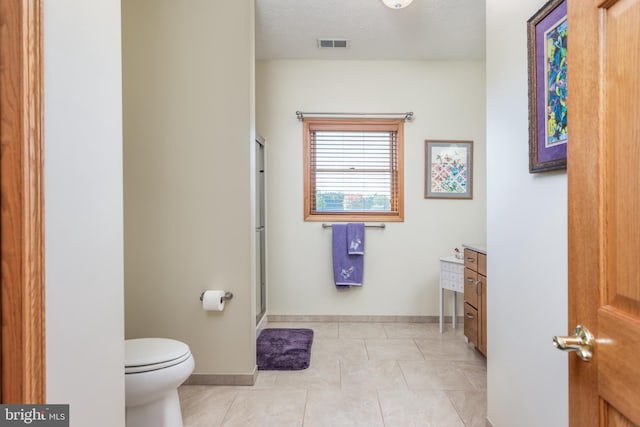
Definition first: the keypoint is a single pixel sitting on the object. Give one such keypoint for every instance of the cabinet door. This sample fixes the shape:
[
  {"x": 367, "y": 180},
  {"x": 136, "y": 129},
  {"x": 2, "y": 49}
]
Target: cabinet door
[
  {"x": 471, "y": 323},
  {"x": 482, "y": 315},
  {"x": 471, "y": 287},
  {"x": 482, "y": 264}
]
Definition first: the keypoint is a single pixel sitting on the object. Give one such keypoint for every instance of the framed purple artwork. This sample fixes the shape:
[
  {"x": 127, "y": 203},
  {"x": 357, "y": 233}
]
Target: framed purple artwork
[{"x": 547, "y": 51}]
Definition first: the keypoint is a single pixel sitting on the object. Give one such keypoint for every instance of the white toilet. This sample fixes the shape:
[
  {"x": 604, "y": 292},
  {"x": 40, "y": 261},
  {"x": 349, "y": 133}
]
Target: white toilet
[{"x": 154, "y": 368}]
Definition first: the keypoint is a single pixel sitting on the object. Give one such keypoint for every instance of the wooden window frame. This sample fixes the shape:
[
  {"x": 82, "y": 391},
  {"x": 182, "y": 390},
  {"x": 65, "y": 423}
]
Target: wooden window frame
[{"x": 363, "y": 124}]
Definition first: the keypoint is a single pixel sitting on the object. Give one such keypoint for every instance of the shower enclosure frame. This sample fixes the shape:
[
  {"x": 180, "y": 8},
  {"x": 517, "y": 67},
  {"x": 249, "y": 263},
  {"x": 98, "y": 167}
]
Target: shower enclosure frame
[{"x": 261, "y": 229}]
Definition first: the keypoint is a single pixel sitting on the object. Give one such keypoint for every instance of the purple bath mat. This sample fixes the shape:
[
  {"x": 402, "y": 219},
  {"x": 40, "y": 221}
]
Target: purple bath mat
[{"x": 280, "y": 349}]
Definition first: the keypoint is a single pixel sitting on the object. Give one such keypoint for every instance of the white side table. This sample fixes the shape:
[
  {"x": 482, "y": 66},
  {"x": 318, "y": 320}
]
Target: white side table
[{"x": 452, "y": 278}]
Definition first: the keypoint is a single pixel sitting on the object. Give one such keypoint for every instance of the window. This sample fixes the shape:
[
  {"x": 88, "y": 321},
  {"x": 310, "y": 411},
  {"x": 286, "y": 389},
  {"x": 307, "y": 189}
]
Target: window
[{"x": 353, "y": 169}]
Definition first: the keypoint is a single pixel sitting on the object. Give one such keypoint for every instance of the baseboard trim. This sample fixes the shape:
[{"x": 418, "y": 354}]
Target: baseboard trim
[
  {"x": 261, "y": 323},
  {"x": 223, "y": 379},
  {"x": 356, "y": 318}
]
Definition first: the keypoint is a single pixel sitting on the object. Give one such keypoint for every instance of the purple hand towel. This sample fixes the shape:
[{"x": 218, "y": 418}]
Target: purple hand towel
[
  {"x": 347, "y": 269},
  {"x": 355, "y": 238}
]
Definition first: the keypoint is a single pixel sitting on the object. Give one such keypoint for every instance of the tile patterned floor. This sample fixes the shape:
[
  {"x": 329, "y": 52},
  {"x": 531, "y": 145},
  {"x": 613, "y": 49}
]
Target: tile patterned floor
[{"x": 361, "y": 374}]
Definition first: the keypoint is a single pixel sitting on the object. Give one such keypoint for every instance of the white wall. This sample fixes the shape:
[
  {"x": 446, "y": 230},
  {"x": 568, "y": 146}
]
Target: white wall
[
  {"x": 401, "y": 262},
  {"x": 526, "y": 237},
  {"x": 83, "y": 210},
  {"x": 188, "y": 72}
]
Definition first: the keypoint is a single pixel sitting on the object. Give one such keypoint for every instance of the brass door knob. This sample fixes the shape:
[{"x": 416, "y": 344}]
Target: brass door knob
[{"x": 581, "y": 341}]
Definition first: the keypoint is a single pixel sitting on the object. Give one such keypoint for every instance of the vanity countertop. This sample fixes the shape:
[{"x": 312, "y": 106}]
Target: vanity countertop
[{"x": 476, "y": 247}]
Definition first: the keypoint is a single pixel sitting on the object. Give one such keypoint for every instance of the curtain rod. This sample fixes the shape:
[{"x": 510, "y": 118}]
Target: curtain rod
[
  {"x": 407, "y": 116},
  {"x": 383, "y": 225}
]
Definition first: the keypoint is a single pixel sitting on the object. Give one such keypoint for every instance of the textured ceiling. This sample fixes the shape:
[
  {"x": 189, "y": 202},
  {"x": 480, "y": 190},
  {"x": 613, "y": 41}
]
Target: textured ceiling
[{"x": 425, "y": 30}]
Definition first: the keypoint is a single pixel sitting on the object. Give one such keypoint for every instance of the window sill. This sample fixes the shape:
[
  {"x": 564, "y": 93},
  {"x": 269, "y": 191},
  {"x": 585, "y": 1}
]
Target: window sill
[{"x": 354, "y": 218}]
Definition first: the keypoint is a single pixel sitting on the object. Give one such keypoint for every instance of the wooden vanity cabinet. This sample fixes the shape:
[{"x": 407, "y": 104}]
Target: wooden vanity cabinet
[{"x": 475, "y": 298}]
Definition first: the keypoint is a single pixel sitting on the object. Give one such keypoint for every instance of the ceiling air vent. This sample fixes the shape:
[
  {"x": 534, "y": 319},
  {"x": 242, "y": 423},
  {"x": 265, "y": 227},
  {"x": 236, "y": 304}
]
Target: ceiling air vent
[{"x": 333, "y": 43}]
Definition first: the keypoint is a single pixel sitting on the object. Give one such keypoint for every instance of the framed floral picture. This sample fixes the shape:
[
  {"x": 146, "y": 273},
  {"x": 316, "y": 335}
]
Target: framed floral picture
[
  {"x": 547, "y": 52},
  {"x": 448, "y": 169}
]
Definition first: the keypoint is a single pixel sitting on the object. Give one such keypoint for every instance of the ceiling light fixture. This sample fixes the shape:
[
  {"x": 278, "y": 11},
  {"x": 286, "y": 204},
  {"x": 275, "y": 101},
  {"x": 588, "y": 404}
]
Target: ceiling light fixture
[{"x": 397, "y": 4}]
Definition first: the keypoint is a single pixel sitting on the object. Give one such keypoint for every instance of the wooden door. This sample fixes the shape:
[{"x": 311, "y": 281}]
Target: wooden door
[
  {"x": 604, "y": 209},
  {"x": 22, "y": 361}
]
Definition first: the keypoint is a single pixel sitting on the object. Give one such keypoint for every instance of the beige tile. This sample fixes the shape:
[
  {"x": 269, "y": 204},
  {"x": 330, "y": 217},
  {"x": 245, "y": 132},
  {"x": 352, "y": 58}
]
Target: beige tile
[
  {"x": 392, "y": 349},
  {"x": 424, "y": 330},
  {"x": 475, "y": 373},
  {"x": 434, "y": 375},
  {"x": 450, "y": 332},
  {"x": 361, "y": 330},
  {"x": 471, "y": 406},
  {"x": 372, "y": 375},
  {"x": 346, "y": 373},
  {"x": 448, "y": 350},
  {"x": 266, "y": 379},
  {"x": 266, "y": 408},
  {"x": 412, "y": 330},
  {"x": 423, "y": 408},
  {"x": 320, "y": 329},
  {"x": 342, "y": 409},
  {"x": 205, "y": 405},
  {"x": 325, "y": 349},
  {"x": 320, "y": 375}
]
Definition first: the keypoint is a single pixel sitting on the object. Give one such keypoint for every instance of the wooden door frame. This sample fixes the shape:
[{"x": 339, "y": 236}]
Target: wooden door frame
[
  {"x": 22, "y": 225},
  {"x": 584, "y": 178}
]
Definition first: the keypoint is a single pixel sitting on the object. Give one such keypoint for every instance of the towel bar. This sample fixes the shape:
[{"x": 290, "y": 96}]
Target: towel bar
[{"x": 325, "y": 225}]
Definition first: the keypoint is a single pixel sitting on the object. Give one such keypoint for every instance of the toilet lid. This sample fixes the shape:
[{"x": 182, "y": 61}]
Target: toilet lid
[{"x": 147, "y": 354}]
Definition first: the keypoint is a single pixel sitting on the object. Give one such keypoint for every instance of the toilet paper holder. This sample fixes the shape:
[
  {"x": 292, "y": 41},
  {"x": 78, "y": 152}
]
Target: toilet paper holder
[{"x": 227, "y": 295}]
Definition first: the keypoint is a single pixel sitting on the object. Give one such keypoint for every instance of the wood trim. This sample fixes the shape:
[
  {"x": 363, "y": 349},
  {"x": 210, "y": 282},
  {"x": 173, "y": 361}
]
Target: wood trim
[
  {"x": 585, "y": 187},
  {"x": 364, "y": 124},
  {"x": 400, "y": 177},
  {"x": 307, "y": 170},
  {"x": 22, "y": 247},
  {"x": 364, "y": 217}
]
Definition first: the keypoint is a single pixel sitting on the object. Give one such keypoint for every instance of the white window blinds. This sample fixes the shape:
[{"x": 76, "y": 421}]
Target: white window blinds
[{"x": 353, "y": 169}]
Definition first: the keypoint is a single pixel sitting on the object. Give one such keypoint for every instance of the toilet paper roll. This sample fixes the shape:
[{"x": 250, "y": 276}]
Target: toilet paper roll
[{"x": 213, "y": 300}]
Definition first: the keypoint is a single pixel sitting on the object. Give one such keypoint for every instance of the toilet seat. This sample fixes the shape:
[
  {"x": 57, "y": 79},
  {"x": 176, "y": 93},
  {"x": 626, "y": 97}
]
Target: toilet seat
[{"x": 151, "y": 354}]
